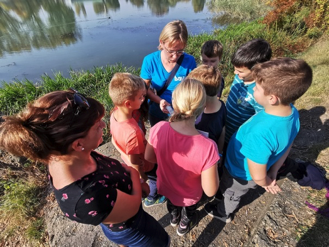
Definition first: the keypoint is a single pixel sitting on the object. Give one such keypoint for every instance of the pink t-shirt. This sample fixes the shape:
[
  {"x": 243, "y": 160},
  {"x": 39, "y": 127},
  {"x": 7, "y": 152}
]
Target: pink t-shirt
[
  {"x": 130, "y": 139},
  {"x": 181, "y": 159}
]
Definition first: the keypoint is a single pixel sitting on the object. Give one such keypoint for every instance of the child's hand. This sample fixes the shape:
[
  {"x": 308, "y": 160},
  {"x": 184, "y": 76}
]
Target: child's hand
[
  {"x": 145, "y": 189},
  {"x": 163, "y": 103},
  {"x": 273, "y": 188}
]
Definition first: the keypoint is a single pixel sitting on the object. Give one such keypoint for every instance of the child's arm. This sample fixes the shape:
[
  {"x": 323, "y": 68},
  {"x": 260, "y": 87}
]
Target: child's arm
[
  {"x": 149, "y": 154},
  {"x": 210, "y": 180},
  {"x": 220, "y": 144},
  {"x": 258, "y": 173},
  {"x": 273, "y": 171},
  {"x": 138, "y": 164},
  {"x": 135, "y": 161}
]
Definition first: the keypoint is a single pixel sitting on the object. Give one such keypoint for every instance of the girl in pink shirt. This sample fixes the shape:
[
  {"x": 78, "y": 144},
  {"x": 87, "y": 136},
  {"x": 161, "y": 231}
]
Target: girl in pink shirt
[{"x": 187, "y": 161}]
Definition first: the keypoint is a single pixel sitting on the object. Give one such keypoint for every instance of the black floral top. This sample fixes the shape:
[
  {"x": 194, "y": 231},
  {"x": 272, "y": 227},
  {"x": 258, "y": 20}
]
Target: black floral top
[{"x": 91, "y": 199}]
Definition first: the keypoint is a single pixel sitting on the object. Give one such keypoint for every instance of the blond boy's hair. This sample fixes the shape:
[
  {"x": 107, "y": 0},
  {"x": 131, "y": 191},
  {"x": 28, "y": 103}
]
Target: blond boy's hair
[
  {"x": 286, "y": 78},
  {"x": 124, "y": 86},
  {"x": 209, "y": 76},
  {"x": 189, "y": 100},
  {"x": 172, "y": 32},
  {"x": 212, "y": 48}
]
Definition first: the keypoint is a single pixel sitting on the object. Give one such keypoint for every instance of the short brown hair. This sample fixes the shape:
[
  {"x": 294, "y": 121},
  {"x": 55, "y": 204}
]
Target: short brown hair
[
  {"x": 212, "y": 48},
  {"x": 124, "y": 86},
  {"x": 48, "y": 125},
  {"x": 209, "y": 76},
  {"x": 286, "y": 78}
]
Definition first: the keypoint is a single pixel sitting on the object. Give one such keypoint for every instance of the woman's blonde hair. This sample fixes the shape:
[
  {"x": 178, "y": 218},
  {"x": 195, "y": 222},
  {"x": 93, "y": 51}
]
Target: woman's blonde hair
[
  {"x": 189, "y": 100},
  {"x": 172, "y": 32}
]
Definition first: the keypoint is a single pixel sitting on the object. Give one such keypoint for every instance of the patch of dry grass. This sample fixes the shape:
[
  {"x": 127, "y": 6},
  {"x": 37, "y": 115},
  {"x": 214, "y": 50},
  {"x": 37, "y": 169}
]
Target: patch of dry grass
[{"x": 318, "y": 58}]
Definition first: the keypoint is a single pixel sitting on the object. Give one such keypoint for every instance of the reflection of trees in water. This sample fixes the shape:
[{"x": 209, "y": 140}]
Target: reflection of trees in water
[
  {"x": 198, "y": 5},
  {"x": 138, "y": 3},
  {"x": 80, "y": 7},
  {"x": 29, "y": 30},
  {"x": 234, "y": 11},
  {"x": 105, "y": 5},
  {"x": 159, "y": 7}
]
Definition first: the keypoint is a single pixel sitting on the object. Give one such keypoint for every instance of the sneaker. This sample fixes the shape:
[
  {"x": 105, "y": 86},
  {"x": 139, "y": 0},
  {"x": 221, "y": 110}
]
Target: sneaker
[
  {"x": 212, "y": 211},
  {"x": 185, "y": 228},
  {"x": 159, "y": 200},
  {"x": 174, "y": 219}
]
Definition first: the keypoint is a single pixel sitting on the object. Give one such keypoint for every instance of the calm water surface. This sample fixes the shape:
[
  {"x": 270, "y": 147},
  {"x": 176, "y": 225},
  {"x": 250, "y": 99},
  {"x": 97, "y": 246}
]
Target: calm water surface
[{"x": 47, "y": 36}]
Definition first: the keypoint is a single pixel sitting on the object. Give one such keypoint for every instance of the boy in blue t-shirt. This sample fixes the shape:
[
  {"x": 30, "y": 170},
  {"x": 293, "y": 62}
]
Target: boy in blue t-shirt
[
  {"x": 258, "y": 149},
  {"x": 240, "y": 103}
]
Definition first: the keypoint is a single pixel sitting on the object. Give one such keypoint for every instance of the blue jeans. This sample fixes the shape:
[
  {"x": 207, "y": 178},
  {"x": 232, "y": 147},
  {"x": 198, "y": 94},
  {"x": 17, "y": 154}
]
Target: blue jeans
[{"x": 144, "y": 231}]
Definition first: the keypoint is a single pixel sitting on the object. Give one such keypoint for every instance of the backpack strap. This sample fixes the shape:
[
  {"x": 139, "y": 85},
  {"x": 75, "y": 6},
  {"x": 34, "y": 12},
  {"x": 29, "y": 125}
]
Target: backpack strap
[{"x": 171, "y": 76}]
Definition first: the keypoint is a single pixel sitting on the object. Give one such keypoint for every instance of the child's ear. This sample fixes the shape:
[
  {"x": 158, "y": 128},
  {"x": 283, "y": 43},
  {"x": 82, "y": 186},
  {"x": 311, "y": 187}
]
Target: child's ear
[
  {"x": 127, "y": 103},
  {"x": 273, "y": 100}
]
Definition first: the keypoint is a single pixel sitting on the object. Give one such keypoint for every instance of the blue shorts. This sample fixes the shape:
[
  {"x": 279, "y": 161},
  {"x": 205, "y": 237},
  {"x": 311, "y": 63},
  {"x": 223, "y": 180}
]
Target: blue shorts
[{"x": 144, "y": 231}]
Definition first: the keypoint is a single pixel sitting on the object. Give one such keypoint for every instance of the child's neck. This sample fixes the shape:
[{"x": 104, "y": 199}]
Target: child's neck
[
  {"x": 248, "y": 82},
  {"x": 278, "y": 110},
  {"x": 212, "y": 104},
  {"x": 185, "y": 127},
  {"x": 122, "y": 113}
]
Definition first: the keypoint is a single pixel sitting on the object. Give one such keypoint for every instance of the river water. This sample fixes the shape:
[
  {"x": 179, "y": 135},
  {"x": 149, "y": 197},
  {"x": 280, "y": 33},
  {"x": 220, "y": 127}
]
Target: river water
[{"x": 48, "y": 36}]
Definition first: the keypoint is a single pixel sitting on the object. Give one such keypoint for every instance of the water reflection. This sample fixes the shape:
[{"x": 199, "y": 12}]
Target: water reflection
[
  {"x": 198, "y": 5},
  {"x": 23, "y": 25},
  {"x": 47, "y": 36},
  {"x": 106, "y": 5},
  {"x": 50, "y": 23}
]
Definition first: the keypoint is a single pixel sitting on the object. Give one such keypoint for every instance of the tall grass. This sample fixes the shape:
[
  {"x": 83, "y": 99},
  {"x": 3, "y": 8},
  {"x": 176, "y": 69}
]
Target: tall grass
[
  {"x": 14, "y": 96},
  {"x": 21, "y": 201},
  {"x": 237, "y": 11}
]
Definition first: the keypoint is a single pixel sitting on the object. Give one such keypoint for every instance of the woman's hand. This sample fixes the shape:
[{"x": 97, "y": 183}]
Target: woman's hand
[{"x": 163, "y": 103}]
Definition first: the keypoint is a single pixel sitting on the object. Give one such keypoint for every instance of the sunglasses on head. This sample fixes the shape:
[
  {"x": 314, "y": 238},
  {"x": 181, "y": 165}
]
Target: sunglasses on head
[{"x": 79, "y": 103}]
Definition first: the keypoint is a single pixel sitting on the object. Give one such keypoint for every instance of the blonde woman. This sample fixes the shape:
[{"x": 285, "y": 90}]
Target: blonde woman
[
  {"x": 158, "y": 65},
  {"x": 187, "y": 161}
]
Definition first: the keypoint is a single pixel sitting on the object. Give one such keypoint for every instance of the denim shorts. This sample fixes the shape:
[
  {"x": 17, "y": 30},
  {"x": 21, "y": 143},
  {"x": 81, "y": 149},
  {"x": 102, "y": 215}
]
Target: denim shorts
[{"x": 144, "y": 231}]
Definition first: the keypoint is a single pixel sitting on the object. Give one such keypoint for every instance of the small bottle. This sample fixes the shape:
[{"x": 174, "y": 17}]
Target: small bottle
[{"x": 170, "y": 109}]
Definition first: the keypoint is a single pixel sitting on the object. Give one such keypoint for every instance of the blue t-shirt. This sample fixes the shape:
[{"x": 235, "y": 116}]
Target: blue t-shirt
[
  {"x": 152, "y": 69},
  {"x": 240, "y": 106},
  {"x": 263, "y": 139}
]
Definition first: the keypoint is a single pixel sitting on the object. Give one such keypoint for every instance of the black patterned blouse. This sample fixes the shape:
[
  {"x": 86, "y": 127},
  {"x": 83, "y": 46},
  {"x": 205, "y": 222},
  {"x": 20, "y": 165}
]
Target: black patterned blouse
[{"x": 91, "y": 199}]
